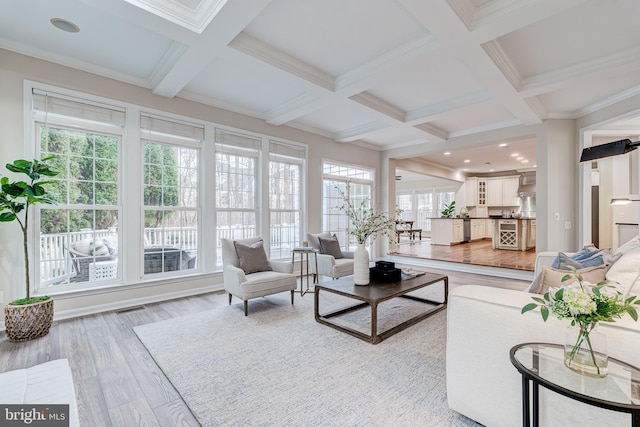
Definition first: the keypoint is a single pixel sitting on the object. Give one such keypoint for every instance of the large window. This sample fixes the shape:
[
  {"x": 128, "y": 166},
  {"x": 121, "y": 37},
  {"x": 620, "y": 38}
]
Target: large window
[
  {"x": 340, "y": 181},
  {"x": 418, "y": 206},
  {"x": 237, "y": 161},
  {"x": 79, "y": 236},
  {"x": 137, "y": 188},
  {"x": 285, "y": 197},
  {"x": 171, "y": 164}
]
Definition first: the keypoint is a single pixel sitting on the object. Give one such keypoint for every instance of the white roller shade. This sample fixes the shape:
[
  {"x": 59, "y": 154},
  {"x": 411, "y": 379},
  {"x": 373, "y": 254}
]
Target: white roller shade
[{"x": 62, "y": 105}]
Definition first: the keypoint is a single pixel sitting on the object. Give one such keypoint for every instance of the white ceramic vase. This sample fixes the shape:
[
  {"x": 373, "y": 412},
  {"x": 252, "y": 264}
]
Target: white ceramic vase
[{"x": 361, "y": 265}]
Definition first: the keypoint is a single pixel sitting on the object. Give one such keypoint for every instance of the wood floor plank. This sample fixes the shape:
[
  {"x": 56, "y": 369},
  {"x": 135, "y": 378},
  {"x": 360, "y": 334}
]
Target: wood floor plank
[
  {"x": 117, "y": 381},
  {"x": 477, "y": 253},
  {"x": 157, "y": 389},
  {"x": 92, "y": 407},
  {"x": 136, "y": 413},
  {"x": 175, "y": 414}
]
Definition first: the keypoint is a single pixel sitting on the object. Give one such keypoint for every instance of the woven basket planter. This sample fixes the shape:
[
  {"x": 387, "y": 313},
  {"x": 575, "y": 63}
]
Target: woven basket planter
[{"x": 28, "y": 322}]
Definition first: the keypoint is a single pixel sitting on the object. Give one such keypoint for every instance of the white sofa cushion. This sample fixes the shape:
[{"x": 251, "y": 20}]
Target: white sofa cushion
[
  {"x": 47, "y": 383},
  {"x": 626, "y": 272}
]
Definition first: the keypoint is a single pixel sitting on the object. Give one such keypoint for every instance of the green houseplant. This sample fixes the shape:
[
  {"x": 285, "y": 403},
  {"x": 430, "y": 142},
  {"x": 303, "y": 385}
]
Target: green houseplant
[
  {"x": 30, "y": 317},
  {"x": 448, "y": 210}
]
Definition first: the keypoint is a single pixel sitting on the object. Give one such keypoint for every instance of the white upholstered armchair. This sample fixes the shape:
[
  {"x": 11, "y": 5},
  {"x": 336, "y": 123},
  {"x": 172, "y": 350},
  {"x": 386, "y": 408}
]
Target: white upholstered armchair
[
  {"x": 328, "y": 265},
  {"x": 248, "y": 274}
]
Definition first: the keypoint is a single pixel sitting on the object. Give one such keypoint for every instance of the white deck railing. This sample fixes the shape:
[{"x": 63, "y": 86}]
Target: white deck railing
[{"x": 56, "y": 262}]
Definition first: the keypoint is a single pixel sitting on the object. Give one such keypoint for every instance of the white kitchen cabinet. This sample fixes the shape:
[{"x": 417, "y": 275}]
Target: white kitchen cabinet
[
  {"x": 488, "y": 232},
  {"x": 446, "y": 231},
  {"x": 476, "y": 191},
  {"x": 503, "y": 191},
  {"x": 510, "y": 191},
  {"x": 478, "y": 229},
  {"x": 494, "y": 192},
  {"x": 471, "y": 191},
  {"x": 458, "y": 231}
]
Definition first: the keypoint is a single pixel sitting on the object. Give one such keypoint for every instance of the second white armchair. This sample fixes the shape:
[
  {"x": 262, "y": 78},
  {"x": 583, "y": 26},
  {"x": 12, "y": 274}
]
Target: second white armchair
[{"x": 329, "y": 265}]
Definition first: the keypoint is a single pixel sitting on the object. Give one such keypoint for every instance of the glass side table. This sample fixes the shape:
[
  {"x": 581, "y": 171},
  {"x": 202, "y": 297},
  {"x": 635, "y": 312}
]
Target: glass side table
[
  {"x": 304, "y": 262},
  {"x": 543, "y": 364}
]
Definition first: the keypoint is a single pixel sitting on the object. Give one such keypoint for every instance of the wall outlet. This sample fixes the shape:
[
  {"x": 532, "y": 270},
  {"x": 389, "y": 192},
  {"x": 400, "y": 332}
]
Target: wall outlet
[
  {"x": 557, "y": 216},
  {"x": 567, "y": 225}
]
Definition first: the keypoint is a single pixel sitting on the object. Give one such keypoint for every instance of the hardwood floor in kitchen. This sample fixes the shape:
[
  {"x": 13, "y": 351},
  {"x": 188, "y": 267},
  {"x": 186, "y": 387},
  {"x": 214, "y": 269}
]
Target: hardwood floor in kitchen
[{"x": 476, "y": 253}]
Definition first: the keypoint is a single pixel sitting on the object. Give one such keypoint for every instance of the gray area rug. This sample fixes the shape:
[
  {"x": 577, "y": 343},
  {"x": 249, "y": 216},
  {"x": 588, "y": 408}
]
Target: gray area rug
[{"x": 279, "y": 367}]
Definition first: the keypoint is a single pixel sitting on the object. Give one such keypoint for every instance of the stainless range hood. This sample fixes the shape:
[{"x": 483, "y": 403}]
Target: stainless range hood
[
  {"x": 527, "y": 184},
  {"x": 527, "y": 194}
]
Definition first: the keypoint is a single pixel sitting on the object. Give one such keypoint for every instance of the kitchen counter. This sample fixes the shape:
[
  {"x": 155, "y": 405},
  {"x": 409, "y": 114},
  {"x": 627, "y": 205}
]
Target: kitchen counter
[{"x": 516, "y": 234}]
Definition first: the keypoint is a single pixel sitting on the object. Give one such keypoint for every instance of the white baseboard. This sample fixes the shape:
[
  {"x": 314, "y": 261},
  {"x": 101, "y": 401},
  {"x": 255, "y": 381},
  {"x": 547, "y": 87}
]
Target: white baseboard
[{"x": 101, "y": 308}]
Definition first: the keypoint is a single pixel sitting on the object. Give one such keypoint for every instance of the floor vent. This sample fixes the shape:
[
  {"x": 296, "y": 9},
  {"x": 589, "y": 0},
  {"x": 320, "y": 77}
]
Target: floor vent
[{"x": 128, "y": 309}]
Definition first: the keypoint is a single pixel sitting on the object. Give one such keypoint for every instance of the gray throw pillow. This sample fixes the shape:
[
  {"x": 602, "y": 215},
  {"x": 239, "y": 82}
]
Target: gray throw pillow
[
  {"x": 331, "y": 246},
  {"x": 252, "y": 258}
]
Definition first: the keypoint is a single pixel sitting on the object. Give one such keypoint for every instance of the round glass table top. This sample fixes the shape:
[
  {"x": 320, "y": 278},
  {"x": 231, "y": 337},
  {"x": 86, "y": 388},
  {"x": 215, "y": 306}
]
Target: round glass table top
[{"x": 545, "y": 363}]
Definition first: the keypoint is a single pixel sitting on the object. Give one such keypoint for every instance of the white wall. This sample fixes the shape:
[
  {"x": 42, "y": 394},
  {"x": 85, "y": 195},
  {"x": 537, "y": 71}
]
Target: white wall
[{"x": 15, "y": 68}]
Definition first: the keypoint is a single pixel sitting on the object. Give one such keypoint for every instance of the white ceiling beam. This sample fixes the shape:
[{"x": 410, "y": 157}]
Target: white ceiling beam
[
  {"x": 255, "y": 48},
  {"x": 433, "y": 130},
  {"x": 433, "y": 111},
  {"x": 499, "y": 17},
  {"x": 446, "y": 25},
  {"x": 224, "y": 27},
  {"x": 567, "y": 76},
  {"x": 344, "y": 86},
  {"x": 356, "y": 133}
]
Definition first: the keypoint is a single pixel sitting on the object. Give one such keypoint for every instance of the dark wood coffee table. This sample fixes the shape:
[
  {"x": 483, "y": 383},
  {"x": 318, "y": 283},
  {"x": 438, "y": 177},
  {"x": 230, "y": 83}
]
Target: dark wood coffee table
[{"x": 374, "y": 294}]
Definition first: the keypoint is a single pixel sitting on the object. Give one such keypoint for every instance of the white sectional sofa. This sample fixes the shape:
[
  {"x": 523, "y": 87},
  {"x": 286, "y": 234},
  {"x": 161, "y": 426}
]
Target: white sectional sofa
[
  {"x": 483, "y": 323},
  {"x": 47, "y": 383}
]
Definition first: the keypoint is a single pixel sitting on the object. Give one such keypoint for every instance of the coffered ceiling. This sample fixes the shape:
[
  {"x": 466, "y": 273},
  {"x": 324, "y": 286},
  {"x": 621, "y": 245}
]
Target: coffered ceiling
[{"x": 380, "y": 73}]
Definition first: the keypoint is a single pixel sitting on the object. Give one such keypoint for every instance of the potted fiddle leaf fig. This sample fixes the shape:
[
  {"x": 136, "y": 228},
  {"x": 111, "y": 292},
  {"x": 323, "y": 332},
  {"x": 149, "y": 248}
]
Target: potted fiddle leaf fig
[{"x": 30, "y": 317}]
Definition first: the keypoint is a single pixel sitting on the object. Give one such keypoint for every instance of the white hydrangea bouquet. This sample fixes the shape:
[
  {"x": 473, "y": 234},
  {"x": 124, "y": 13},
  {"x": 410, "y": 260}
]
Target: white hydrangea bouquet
[{"x": 586, "y": 305}]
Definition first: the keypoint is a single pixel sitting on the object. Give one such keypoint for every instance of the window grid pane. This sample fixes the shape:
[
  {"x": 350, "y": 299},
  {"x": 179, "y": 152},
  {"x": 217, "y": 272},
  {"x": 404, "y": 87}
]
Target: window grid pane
[
  {"x": 78, "y": 236},
  {"x": 171, "y": 207}
]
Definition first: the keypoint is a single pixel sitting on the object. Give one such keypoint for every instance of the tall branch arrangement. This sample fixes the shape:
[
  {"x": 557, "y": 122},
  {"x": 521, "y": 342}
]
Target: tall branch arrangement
[{"x": 366, "y": 221}]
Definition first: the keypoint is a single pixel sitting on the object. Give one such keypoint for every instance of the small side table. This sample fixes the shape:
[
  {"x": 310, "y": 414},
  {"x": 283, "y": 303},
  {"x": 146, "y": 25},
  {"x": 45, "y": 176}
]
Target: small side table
[
  {"x": 540, "y": 363},
  {"x": 304, "y": 263}
]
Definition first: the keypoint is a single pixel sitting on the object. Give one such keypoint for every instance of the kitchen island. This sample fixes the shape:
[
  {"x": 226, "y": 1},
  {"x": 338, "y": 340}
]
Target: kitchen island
[
  {"x": 516, "y": 234},
  {"x": 453, "y": 231}
]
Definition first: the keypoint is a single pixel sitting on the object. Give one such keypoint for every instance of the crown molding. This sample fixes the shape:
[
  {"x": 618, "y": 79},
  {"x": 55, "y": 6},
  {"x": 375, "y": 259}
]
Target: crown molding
[
  {"x": 206, "y": 100},
  {"x": 552, "y": 80},
  {"x": 502, "y": 61},
  {"x": 195, "y": 20},
  {"x": 379, "y": 105},
  {"x": 287, "y": 63},
  {"x": 295, "y": 107},
  {"x": 430, "y": 112},
  {"x": 357, "y": 132},
  {"x": 415, "y": 47},
  {"x": 433, "y": 130},
  {"x": 170, "y": 58},
  {"x": 66, "y": 61}
]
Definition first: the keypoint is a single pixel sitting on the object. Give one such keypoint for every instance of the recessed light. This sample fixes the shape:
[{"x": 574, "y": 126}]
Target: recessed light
[
  {"x": 525, "y": 161},
  {"x": 515, "y": 154},
  {"x": 519, "y": 158},
  {"x": 465, "y": 169},
  {"x": 492, "y": 170},
  {"x": 504, "y": 144},
  {"x": 467, "y": 161},
  {"x": 447, "y": 153},
  {"x": 64, "y": 25}
]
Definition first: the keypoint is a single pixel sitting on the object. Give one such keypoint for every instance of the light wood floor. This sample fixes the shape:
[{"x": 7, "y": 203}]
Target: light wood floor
[
  {"x": 117, "y": 382},
  {"x": 477, "y": 253}
]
